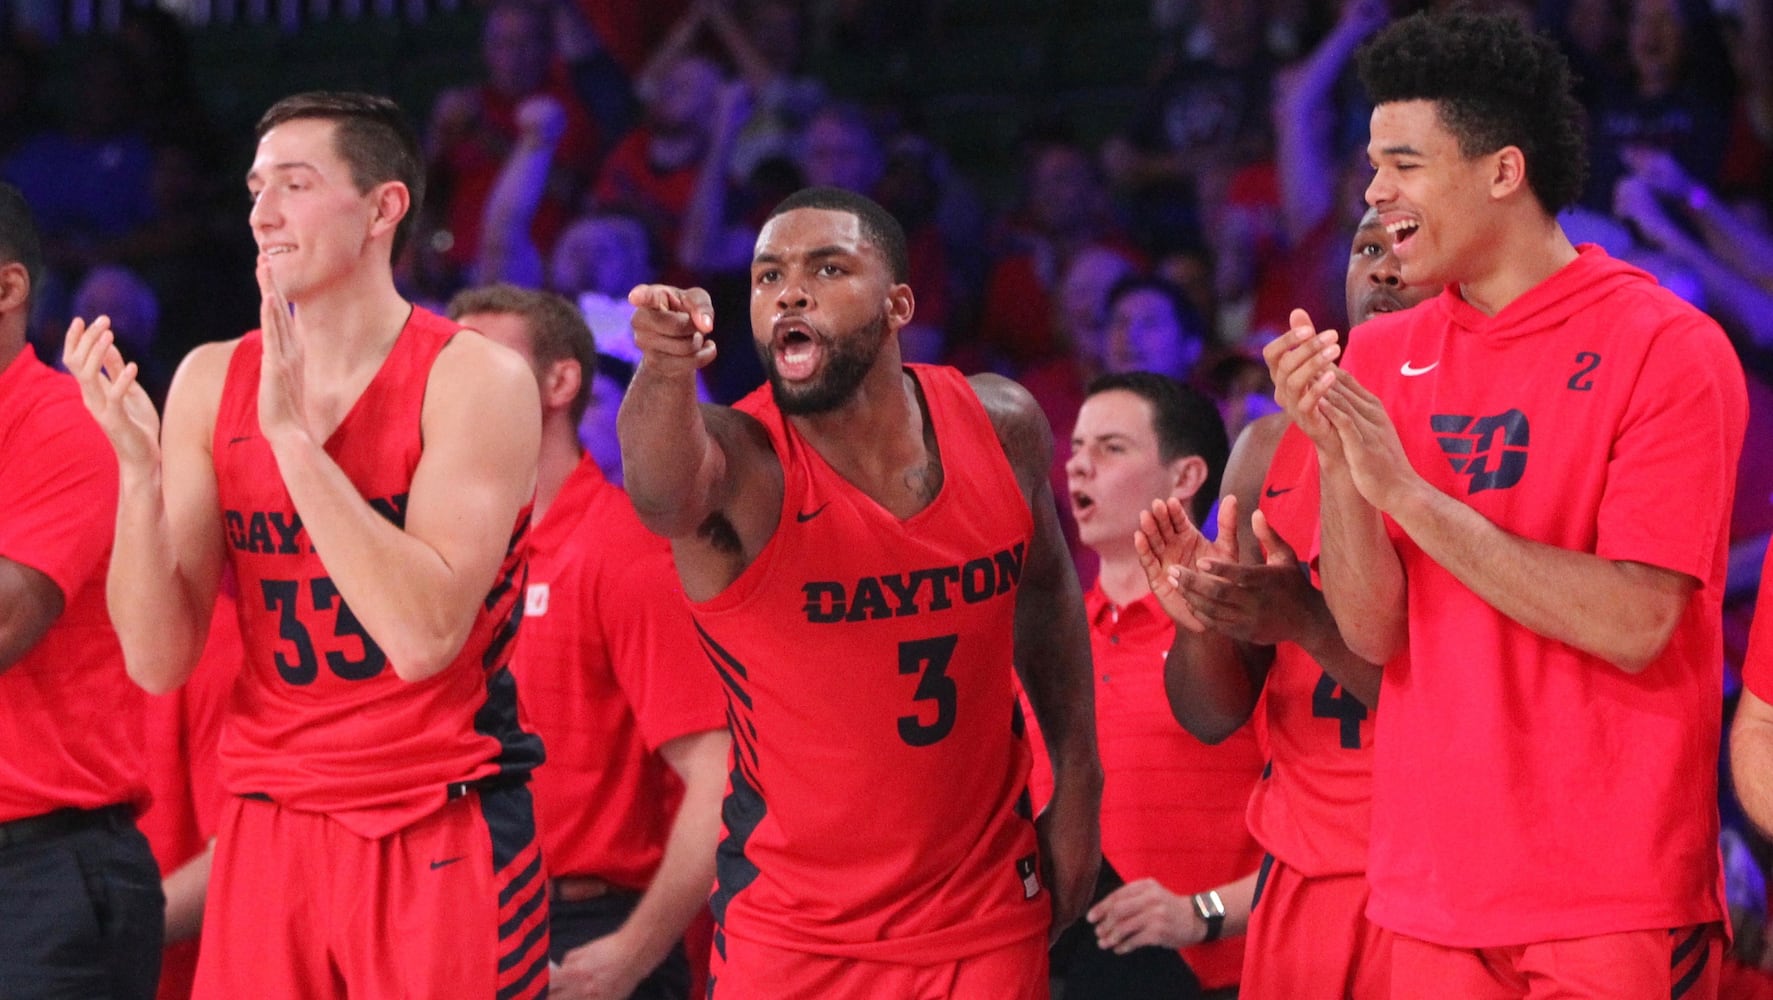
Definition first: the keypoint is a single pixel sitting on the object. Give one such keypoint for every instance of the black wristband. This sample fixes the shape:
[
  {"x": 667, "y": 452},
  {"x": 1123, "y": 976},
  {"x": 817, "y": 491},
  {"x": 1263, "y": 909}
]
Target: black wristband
[{"x": 1211, "y": 910}]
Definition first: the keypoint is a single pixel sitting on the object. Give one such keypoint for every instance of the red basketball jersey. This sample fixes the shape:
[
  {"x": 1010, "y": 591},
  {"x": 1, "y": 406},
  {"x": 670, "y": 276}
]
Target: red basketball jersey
[
  {"x": 878, "y": 805},
  {"x": 319, "y": 721},
  {"x": 610, "y": 670},
  {"x": 1313, "y": 806}
]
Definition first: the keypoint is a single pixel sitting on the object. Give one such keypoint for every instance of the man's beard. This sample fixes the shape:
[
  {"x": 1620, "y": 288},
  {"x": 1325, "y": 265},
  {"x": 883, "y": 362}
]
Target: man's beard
[{"x": 848, "y": 359}]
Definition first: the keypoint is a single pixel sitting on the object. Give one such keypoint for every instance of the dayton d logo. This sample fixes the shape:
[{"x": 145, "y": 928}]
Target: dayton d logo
[{"x": 1491, "y": 450}]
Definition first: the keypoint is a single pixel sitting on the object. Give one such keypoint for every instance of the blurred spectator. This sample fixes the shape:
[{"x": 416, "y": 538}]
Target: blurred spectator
[
  {"x": 117, "y": 292},
  {"x": 1321, "y": 174},
  {"x": 1732, "y": 258},
  {"x": 1748, "y": 163},
  {"x": 651, "y": 174},
  {"x": 1064, "y": 210},
  {"x": 89, "y": 181},
  {"x": 761, "y": 40},
  {"x": 474, "y": 128},
  {"x": 1152, "y": 329},
  {"x": 1677, "y": 101},
  {"x": 1082, "y": 319},
  {"x": 1204, "y": 118}
]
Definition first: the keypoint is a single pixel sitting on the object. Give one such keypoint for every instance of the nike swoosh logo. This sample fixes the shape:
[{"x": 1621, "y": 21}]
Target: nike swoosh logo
[
  {"x": 1410, "y": 369},
  {"x": 807, "y": 515},
  {"x": 1271, "y": 492},
  {"x": 237, "y": 440},
  {"x": 446, "y": 861}
]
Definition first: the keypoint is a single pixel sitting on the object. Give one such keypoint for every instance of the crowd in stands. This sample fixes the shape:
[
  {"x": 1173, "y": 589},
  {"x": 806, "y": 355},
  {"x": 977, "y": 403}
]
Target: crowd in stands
[{"x": 590, "y": 146}]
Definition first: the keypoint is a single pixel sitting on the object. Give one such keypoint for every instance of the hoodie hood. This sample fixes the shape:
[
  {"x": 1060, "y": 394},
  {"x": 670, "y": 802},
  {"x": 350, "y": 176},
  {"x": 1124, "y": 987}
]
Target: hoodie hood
[{"x": 1576, "y": 286}]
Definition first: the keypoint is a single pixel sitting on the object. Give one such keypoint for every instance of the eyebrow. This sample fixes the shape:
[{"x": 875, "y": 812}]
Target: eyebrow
[
  {"x": 817, "y": 253},
  {"x": 279, "y": 167},
  {"x": 1401, "y": 151}
]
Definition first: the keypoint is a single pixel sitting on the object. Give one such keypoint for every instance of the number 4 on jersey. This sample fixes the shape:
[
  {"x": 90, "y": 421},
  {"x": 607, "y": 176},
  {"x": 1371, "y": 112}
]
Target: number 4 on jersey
[{"x": 1330, "y": 701}]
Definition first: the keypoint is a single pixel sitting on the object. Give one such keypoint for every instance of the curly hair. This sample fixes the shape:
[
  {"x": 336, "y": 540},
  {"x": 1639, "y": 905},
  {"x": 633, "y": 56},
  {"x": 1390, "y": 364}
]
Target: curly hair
[{"x": 1495, "y": 82}]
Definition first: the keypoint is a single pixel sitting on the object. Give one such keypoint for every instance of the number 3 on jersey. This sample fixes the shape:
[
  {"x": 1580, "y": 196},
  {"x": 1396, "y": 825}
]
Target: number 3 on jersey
[
  {"x": 282, "y": 597},
  {"x": 1330, "y": 701},
  {"x": 929, "y": 658}
]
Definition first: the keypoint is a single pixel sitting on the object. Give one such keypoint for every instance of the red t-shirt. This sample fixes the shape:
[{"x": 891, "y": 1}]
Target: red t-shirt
[
  {"x": 1172, "y": 807},
  {"x": 878, "y": 803},
  {"x": 1524, "y": 791},
  {"x": 610, "y": 670},
  {"x": 183, "y": 728},
  {"x": 70, "y": 720},
  {"x": 319, "y": 721},
  {"x": 1313, "y": 806}
]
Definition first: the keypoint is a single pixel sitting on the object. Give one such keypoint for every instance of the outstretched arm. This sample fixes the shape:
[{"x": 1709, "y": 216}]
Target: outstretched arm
[
  {"x": 507, "y": 253},
  {"x": 1052, "y": 645},
  {"x": 703, "y": 476},
  {"x": 169, "y": 537}
]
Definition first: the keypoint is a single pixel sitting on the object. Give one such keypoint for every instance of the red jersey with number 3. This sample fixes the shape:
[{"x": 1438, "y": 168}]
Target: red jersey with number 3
[
  {"x": 319, "y": 721},
  {"x": 878, "y": 802},
  {"x": 1314, "y": 804}
]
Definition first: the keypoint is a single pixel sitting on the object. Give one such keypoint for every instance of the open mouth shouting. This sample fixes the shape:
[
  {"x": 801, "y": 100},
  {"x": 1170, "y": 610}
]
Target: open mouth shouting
[
  {"x": 796, "y": 347},
  {"x": 1403, "y": 230}
]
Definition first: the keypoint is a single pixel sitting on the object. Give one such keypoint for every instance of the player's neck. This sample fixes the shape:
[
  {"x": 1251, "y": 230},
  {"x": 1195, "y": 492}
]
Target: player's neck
[
  {"x": 1528, "y": 253},
  {"x": 342, "y": 328},
  {"x": 12, "y": 344},
  {"x": 1121, "y": 577},
  {"x": 875, "y": 434},
  {"x": 560, "y": 455}
]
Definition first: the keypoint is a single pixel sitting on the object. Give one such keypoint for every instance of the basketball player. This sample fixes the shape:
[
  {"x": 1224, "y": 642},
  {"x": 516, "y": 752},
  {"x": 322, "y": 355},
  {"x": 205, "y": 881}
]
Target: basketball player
[
  {"x": 366, "y": 468},
  {"x": 1497, "y": 470},
  {"x": 868, "y": 547},
  {"x": 1272, "y": 642}
]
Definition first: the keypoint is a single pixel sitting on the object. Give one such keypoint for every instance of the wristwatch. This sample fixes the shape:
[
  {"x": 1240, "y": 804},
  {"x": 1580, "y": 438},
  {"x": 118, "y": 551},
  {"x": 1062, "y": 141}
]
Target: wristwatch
[{"x": 1211, "y": 910}]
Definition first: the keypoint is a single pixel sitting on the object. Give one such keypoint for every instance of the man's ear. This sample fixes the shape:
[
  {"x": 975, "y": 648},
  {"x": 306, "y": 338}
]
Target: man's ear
[
  {"x": 1188, "y": 476},
  {"x": 560, "y": 384},
  {"x": 15, "y": 286},
  {"x": 392, "y": 202}
]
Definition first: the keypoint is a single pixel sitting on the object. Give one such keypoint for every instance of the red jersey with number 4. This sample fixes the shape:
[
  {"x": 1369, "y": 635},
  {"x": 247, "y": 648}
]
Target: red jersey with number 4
[
  {"x": 878, "y": 805},
  {"x": 1313, "y": 807},
  {"x": 1524, "y": 790},
  {"x": 610, "y": 671},
  {"x": 319, "y": 721}
]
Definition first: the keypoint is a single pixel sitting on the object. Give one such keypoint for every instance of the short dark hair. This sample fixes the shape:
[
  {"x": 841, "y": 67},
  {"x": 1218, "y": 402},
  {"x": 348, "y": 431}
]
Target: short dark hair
[
  {"x": 557, "y": 330},
  {"x": 1186, "y": 421},
  {"x": 372, "y": 135},
  {"x": 18, "y": 233},
  {"x": 878, "y": 225},
  {"x": 1495, "y": 82}
]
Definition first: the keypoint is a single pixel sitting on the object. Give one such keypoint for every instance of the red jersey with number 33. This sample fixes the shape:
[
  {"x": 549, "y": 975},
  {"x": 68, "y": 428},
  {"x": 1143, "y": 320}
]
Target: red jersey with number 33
[
  {"x": 878, "y": 805},
  {"x": 1314, "y": 804},
  {"x": 318, "y": 720}
]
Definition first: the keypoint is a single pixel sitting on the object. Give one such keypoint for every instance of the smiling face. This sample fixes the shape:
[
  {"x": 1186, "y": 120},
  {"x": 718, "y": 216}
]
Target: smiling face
[
  {"x": 307, "y": 214},
  {"x": 1432, "y": 199},
  {"x": 823, "y": 304},
  {"x": 1375, "y": 284},
  {"x": 1115, "y": 469}
]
